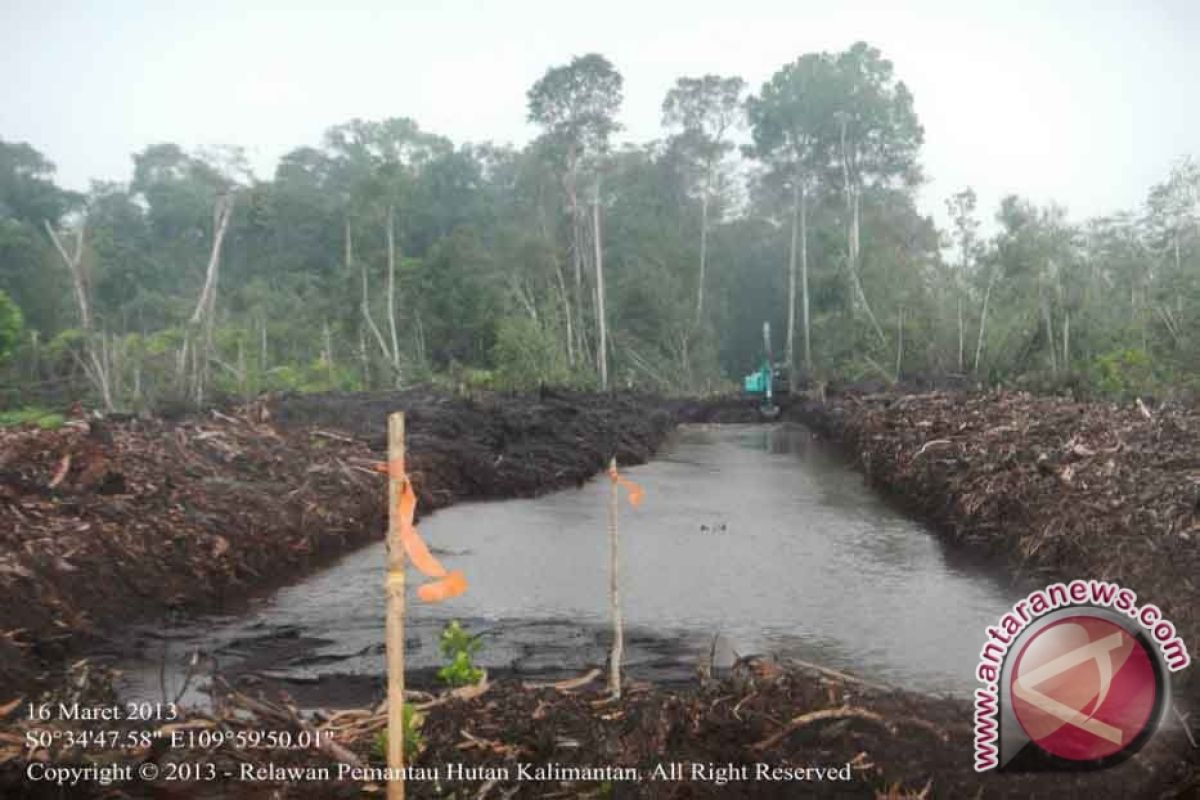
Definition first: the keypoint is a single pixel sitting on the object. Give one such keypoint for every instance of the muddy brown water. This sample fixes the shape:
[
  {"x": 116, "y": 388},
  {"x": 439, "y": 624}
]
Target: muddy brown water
[{"x": 761, "y": 539}]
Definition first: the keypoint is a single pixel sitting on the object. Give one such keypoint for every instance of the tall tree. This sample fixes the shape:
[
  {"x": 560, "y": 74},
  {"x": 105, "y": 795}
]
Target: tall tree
[
  {"x": 878, "y": 137},
  {"x": 788, "y": 120},
  {"x": 576, "y": 104},
  {"x": 377, "y": 165},
  {"x": 1034, "y": 249},
  {"x": 188, "y": 199},
  {"x": 1172, "y": 236},
  {"x": 705, "y": 110},
  {"x": 28, "y": 198},
  {"x": 511, "y": 265},
  {"x": 961, "y": 207}
]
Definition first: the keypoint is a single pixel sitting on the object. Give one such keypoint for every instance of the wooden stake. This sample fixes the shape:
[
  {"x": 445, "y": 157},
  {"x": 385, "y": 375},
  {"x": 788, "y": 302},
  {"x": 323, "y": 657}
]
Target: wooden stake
[
  {"x": 395, "y": 608},
  {"x": 618, "y": 646}
]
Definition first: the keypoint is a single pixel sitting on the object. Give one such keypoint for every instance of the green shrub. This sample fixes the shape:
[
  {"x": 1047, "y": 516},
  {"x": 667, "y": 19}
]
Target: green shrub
[
  {"x": 46, "y": 420},
  {"x": 525, "y": 355},
  {"x": 459, "y": 647},
  {"x": 163, "y": 341},
  {"x": 479, "y": 378},
  {"x": 1124, "y": 373},
  {"x": 11, "y": 325},
  {"x": 63, "y": 344}
]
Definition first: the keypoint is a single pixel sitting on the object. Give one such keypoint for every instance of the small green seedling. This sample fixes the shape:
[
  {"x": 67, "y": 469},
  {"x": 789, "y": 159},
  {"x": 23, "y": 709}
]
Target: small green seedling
[
  {"x": 459, "y": 648},
  {"x": 414, "y": 742}
]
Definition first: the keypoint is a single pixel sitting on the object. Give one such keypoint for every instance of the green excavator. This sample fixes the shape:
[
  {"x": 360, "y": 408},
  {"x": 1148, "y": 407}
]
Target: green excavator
[{"x": 768, "y": 381}]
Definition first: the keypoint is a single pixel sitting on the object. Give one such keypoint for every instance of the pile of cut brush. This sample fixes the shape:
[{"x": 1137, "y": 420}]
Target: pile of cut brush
[
  {"x": 102, "y": 522},
  {"x": 106, "y": 521},
  {"x": 713, "y": 740},
  {"x": 1059, "y": 488}
]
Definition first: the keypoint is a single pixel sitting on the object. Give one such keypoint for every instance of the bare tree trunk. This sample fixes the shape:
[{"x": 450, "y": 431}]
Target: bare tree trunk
[
  {"x": 222, "y": 211},
  {"x": 75, "y": 267},
  {"x": 241, "y": 368},
  {"x": 959, "y": 291},
  {"x": 366, "y": 298},
  {"x": 525, "y": 299},
  {"x": 587, "y": 262},
  {"x": 601, "y": 324},
  {"x": 987, "y": 294},
  {"x": 960, "y": 329},
  {"x": 203, "y": 317},
  {"x": 804, "y": 279},
  {"x": 202, "y": 353},
  {"x": 181, "y": 361},
  {"x": 391, "y": 292},
  {"x": 576, "y": 246},
  {"x": 789, "y": 350},
  {"x": 566, "y": 304},
  {"x": 854, "y": 241},
  {"x": 420, "y": 335},
  {"x": 1170, "y": 324},
  {"x": 704, "y": 200},
  {"x": 262, "y": 346},
  {"x": 364, "y": 358},
  {"x": 1066, "y": 343},
  {"x": 853, "y": 192},
  {"x": 99, "y": 372},
  {"x": 570, "y": 184},
  {"x": 34, "y": 360},
  {"x": 95, "y": 365},
  {"x": 1049, "y": 319},
  {"x": 685, "y": 358},
  {"x": 855, "y": 250},
  {"x": 899, "y": 342},
  {"x": 114, "y": 359},
  {"x": 327, "y": 336},
  {"x": 365, "y": 309},
  {"x": 562, "y": 289}
]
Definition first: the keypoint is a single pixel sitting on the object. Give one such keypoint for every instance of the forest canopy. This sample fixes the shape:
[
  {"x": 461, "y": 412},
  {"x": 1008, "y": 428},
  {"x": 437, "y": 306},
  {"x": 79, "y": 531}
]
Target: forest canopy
[{"x": 387, "y": 255}]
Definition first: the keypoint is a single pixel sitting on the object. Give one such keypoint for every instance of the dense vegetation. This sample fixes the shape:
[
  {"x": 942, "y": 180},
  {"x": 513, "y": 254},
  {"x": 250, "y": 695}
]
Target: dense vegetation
[{"x": 388, "y": 255}]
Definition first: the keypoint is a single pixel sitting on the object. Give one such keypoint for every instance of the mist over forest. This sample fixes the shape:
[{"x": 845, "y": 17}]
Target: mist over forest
[
  {"x": 386, "y": 255},
  {"x": 645, "y": 401}
]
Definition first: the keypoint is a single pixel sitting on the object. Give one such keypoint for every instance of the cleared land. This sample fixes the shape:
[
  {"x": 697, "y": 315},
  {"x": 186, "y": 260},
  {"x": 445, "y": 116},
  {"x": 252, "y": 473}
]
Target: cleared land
[{"x": 104, "y": 522}]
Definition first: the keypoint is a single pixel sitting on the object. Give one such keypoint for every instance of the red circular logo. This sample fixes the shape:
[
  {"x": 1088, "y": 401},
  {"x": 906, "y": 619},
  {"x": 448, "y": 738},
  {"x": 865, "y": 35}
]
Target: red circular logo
[{"x": 1083, "y": 688}]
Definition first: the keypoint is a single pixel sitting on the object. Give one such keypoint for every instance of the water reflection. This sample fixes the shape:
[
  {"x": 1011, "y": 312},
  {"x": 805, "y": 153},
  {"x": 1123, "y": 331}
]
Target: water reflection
[{"x": 760, "y": 535}]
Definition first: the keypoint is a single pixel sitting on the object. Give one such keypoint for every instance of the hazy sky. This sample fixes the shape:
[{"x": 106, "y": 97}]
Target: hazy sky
[{"x": 1087, "y": 103}]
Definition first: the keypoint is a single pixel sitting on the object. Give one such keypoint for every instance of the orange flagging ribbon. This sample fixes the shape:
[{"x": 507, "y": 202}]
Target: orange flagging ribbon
[
  {"x": 635, "y": 492},
  {"x": 449, "y": 583}
]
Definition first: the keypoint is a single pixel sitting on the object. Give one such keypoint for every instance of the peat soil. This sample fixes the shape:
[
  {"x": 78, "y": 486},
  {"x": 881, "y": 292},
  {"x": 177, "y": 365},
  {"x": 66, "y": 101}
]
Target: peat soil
[
  {"x": 1058, "y": 489},
  {"x": 105, "y": 522},
  {"x": 758, "y": 715},
  {"x": 194, "y": 513}
]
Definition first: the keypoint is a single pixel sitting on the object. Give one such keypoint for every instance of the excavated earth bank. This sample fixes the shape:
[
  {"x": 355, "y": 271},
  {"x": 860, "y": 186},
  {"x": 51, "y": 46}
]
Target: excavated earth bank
[{"x": 102, "y": 523}]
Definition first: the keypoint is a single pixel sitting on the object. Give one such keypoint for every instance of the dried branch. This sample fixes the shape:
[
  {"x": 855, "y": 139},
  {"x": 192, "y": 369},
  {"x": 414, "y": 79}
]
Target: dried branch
[{"x": 843, "y": 712}]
